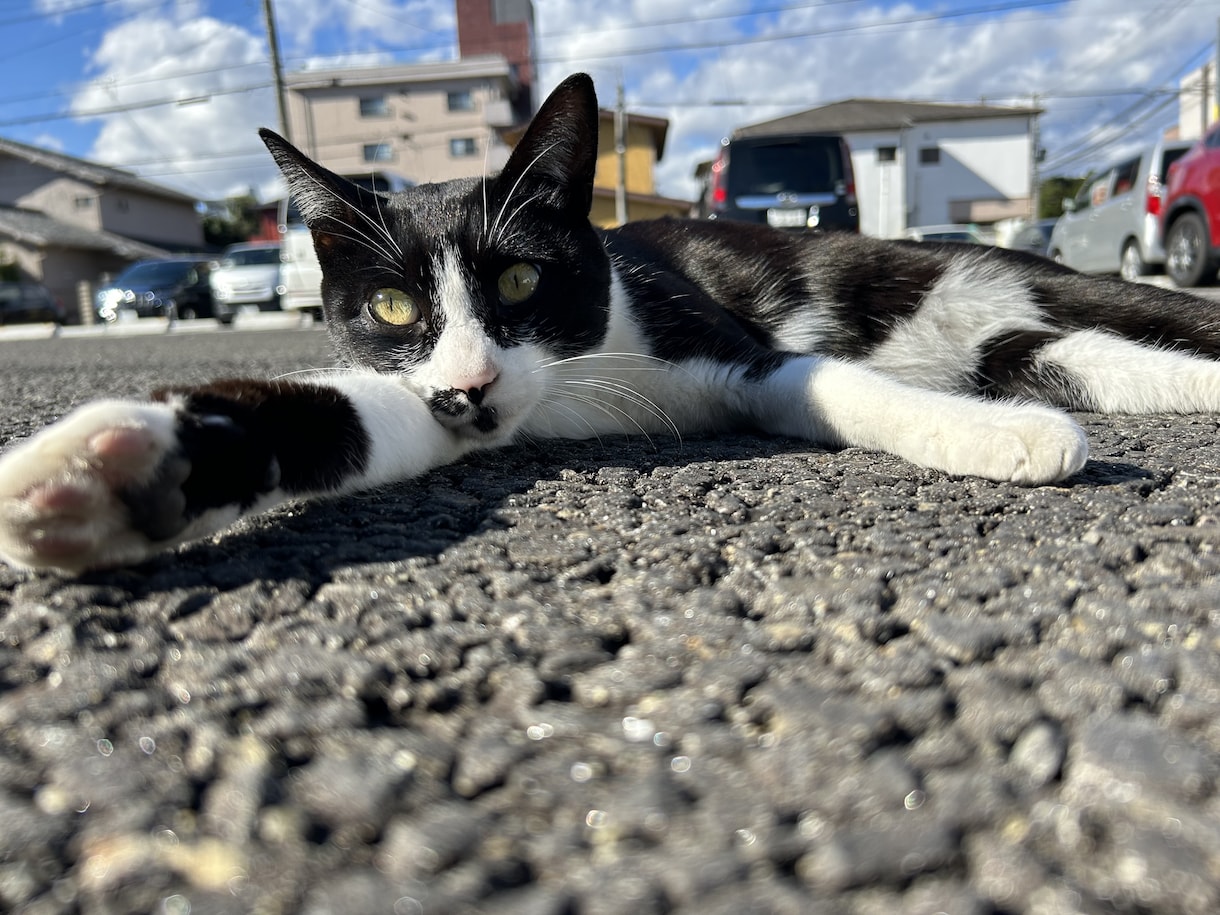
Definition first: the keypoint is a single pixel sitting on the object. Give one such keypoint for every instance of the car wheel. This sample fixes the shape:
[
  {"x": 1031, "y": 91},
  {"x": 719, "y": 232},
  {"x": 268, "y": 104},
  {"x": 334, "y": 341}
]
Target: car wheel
[
  {"x": 1186, "y": 252},
  {"x": 1133, "y": 265},
  {"x": 187, "y": 313}
]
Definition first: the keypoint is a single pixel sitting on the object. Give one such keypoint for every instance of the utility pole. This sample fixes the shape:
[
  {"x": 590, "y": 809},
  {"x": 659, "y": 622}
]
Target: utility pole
[
  {"x": 1205, "y": 95},
  {"x": 1034, "y": 176},
  {"x": 277, "y": 71},
  {"x": 620, "y": 152}
]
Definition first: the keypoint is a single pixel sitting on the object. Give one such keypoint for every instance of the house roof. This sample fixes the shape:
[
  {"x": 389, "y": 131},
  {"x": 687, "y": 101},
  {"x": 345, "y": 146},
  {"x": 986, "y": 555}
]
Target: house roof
[
  {"x": 36, "y": 229},
  {"x": 89, "y": 172},
  {"x": 861, "y": 114}
]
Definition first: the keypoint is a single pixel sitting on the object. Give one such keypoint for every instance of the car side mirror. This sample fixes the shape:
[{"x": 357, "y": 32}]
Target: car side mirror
[{"x": 1069, "y": 205}]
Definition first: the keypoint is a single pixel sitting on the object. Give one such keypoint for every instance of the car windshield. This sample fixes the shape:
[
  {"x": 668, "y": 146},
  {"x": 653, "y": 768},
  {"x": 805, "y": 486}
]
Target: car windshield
[
  {"x": 795, "y": 164},
  {"x": 153, "y": 273},
  {"x": 246, "y": 257}
]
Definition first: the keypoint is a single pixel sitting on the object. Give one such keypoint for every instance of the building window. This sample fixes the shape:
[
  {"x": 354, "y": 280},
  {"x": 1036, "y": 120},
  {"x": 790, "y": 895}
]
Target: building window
[
  {"x": 378, "y": 152},
  {"x": 929, "y": 155},
  {"x": 461, "y": 101},
  {"x": 375, "y": 107},
  {"x": 462, "y": 146},
  {"x": 83, "y": 203},
  {"x": 887, "y": 153}
]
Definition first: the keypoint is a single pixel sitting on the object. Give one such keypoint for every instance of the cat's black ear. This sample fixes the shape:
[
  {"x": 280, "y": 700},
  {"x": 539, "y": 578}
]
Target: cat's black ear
[
  {"x": 325, "y": 199},
  {"x": 559, "y": 147}
]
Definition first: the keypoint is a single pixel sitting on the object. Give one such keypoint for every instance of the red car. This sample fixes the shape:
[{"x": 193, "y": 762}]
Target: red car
[{"x": 1192, "y": 214}]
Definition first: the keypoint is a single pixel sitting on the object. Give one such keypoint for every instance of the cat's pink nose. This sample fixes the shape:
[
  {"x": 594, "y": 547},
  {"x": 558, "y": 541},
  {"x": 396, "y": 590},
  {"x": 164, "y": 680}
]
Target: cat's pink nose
[
  {"x": 476, "y": 395},
  {"x": 475, "y": 386}
]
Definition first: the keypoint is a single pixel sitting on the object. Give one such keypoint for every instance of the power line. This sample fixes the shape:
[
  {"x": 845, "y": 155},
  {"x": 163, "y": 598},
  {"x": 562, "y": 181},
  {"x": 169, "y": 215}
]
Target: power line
[
  {"x": 1095, "y": 140},
  {"x": 806, "y": 33},
  {"x": 918, "y": 20}
]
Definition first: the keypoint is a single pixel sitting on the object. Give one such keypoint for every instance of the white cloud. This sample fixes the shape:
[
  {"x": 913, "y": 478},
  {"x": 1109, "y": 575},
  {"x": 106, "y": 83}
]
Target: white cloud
[
  {"x": 833, "y": 51},
  {"x": 307, "y": 27},
  {"x": 883, "y": 50},
  {"x": 49, "y": 141},
  {"x": 204, "y": 143}
]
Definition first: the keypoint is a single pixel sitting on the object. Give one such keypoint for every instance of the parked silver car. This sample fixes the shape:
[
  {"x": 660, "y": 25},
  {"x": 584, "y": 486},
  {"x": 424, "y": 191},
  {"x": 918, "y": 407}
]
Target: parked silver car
[
  {"x": 247, "y": 274},
  {"x": 1112, "y": 226}
]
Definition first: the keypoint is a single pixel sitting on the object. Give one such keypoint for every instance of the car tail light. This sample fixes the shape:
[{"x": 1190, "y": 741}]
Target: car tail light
[
  {"x": 719, "y": 193},
  {"x": 850, "y": 172},
  {"x": 1153, "y": 200}
]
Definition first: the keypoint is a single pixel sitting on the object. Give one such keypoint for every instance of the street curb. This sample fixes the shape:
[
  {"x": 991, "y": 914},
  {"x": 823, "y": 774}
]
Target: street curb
[{"x": 156, "y": 326}]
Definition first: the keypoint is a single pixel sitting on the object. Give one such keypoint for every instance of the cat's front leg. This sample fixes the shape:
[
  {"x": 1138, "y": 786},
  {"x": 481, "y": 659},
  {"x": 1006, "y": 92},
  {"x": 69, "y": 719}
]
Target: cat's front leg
[
  {"x": 843, "y": 403},
  {"x": 117, "y": 481}
]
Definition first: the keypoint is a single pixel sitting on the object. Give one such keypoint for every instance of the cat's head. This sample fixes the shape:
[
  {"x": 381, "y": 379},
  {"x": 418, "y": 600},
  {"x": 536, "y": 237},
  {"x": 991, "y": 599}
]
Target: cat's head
[{"x": 468, "y": 288}]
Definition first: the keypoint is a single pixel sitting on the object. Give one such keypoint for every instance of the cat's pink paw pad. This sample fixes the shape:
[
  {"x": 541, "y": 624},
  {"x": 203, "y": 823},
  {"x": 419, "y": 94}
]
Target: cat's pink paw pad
[{"x": 60, "y": 491}]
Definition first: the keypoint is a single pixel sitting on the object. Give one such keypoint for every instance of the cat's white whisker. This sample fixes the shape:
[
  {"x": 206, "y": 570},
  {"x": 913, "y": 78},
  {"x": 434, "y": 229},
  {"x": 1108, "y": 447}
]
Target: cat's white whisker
[
  {"x": 385, "y": 229},
  {"x": 513, "y": 190},
  {"x": 324, "y": 370},
  {"x": 631, "y": 396},
  {"x": 369, "y": 241},
  {"x": 616, "y": 413},
  {"x": 658, "y": 364},
  {"x": 485, "y": 239},
  {"x": 554, "y": 404},
  {"x": 508, "y": 222}
]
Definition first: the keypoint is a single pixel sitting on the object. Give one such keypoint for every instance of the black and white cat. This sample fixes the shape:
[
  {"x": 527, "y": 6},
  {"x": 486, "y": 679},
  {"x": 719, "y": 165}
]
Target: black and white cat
[{"x": 473, "y": 311}]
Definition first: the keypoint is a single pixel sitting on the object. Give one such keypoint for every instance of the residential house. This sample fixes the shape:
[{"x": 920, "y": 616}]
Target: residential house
[
  {"x": 423, "y": 122},
  {"x": 924, "y": 163},
  {"x": 1198, "y": 102},
  {"x": 65, "y": 220},
  {"x": 644, "y": 144}
]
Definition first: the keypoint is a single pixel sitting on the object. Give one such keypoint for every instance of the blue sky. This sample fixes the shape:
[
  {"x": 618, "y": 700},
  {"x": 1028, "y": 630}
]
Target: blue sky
[{"x": 173, "y": 89}]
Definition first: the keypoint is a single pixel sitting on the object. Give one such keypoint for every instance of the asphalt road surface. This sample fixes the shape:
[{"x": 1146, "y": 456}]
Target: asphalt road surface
[{"x": 710, "y": 676}]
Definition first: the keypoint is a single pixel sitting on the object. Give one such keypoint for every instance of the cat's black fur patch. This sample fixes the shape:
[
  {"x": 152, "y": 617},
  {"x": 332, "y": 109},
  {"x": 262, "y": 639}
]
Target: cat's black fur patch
[{"x": 302, "y": 437}]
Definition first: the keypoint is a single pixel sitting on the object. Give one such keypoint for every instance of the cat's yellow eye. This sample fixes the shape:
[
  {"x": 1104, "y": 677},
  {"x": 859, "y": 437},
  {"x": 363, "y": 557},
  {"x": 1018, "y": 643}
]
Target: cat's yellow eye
[
  {"x": 518, "y": 283},
  {"x": 393, "y": 307}
]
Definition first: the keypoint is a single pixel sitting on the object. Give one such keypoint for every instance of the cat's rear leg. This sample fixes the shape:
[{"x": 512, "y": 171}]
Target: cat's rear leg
[
  {"x": 1096, "y": 370},
  {"x": 844, "y": 403}
]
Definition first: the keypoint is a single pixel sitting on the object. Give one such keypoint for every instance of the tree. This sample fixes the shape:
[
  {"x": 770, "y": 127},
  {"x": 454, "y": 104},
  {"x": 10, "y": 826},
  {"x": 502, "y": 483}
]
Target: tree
[
  {"x": 1053, "y": 192},
  {"x": 231, "y": 220}
]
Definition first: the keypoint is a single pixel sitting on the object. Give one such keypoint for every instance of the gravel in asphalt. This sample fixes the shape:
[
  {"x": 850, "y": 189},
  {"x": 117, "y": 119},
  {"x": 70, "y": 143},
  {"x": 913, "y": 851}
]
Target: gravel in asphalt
[{"x": 709, "y": 676}]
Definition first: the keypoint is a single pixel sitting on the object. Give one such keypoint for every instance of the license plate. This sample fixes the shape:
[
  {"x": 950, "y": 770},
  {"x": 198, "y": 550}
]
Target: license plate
[{"x": 787, "y": 219}]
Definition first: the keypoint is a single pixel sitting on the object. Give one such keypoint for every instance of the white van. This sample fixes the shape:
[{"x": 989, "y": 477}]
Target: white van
[{"x": 300, "y": 273}]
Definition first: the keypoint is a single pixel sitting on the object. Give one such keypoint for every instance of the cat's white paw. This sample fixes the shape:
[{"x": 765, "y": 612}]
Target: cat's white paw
[
  {"x": 61, "y": 502},
  {"x": 1030, "y": 445}
]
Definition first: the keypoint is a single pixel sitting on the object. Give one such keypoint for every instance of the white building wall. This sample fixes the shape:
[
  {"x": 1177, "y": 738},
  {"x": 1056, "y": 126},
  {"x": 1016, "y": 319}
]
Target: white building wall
[
  {"x": 1195, "y": 112},
  {"x": 880, "y": 183},
  {"x": 982, "y": 174}
]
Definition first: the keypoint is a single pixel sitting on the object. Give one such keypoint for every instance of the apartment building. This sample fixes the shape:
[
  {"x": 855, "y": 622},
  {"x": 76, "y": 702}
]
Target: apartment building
[{"x": 423, "y": 122}]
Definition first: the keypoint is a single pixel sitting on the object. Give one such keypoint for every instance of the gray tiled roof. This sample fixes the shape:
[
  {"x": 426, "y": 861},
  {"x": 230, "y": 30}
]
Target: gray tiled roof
[
  {"x": 39, "y": 230},
  {"x": 90, "y": 172},
  {"x": 877, "y": 114}
]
